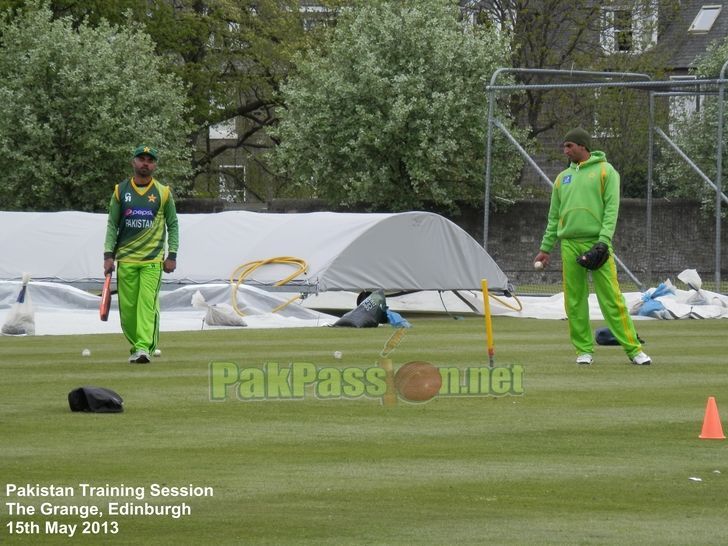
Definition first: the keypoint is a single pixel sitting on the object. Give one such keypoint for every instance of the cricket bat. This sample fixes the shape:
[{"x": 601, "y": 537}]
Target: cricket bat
[{"x": 105, "y": 299}]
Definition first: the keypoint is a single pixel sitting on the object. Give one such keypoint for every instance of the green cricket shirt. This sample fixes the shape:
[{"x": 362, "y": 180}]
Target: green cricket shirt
[{"x": 141, "y": 220}]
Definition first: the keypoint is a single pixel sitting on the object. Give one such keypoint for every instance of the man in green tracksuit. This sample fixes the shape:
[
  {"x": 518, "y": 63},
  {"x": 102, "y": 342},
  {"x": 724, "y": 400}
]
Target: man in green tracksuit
[
  {"x": 142, "y": 221},
  {"x": 583, "y": 212}
]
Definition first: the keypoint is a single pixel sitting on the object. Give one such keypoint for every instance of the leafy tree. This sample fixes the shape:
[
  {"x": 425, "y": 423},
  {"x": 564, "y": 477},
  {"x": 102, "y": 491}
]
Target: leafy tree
[
  {"x": 547, "y": 34},
  {"x": 696, "y": 133},
  {"x": 92, "y": 11},
  {"x": 75, "y": 103},
  {"x": 231, "y": 56},
  {"x": 571, "y": 35},
  {"x": 391, "y": 110}
]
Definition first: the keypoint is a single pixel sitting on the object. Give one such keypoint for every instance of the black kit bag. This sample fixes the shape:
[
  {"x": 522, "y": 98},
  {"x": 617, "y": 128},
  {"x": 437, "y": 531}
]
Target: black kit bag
[
  {"x": 95, "y": 400},
  {"x": 370, "y": 313}
]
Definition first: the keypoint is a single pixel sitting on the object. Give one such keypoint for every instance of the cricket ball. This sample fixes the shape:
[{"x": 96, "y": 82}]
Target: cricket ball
[
  {"x": 418, "y": 381},
  {"x": 538, "y": 266},
  {"x": 86, "y": 352}
]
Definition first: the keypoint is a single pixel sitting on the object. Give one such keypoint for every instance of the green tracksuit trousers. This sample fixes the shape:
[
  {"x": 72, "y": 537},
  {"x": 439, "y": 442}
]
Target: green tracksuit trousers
[
  {"x": 138, "y": 291},
  {"x": 609, "y": 295}
]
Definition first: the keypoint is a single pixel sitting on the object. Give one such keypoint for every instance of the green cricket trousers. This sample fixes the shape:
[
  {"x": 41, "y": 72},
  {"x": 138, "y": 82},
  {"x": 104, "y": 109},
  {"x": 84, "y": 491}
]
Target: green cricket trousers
[
  {"x": 609, "y": 295},
  {"x": 138, "y": 287}
]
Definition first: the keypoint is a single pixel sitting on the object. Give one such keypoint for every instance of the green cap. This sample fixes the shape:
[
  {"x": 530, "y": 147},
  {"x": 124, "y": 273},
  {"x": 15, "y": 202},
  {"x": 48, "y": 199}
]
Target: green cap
[
  {"x": 579, "y": 136},
  {"x": 148, "y": 150}
]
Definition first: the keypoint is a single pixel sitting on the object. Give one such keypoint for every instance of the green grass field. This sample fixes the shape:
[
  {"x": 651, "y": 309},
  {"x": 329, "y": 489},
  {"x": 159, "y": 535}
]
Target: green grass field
[{"x": 596, "y": 455}]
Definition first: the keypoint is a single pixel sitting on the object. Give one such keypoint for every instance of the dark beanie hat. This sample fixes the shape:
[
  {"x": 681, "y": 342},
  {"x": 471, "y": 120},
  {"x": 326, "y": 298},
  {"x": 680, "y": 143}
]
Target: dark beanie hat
[{"x": 579, "y": 136}]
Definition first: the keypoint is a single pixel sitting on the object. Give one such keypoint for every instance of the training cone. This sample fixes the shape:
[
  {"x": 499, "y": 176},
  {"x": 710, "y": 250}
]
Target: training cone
[{"x": 712, "y": 429}]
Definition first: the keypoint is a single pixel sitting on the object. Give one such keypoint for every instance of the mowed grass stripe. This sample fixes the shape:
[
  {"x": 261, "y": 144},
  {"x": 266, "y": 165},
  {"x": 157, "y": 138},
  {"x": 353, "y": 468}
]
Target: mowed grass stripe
[{"x": 587, "y": 455}]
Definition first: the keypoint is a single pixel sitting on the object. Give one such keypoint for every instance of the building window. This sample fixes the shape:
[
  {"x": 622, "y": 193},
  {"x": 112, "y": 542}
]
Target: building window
[
  {"x": 705, "y": 18},
  {"x": 629, "y": 29},
  {"x": 685, "y": 104},
  {"x": 617, "y": 30},
  {"x": 224, "y": 130},
  {"x": 498, "y": 15},
  {"x": 231, "y": 183},
  {"x": 315, "y": 15},
  {"x": 622, "y": 29}
]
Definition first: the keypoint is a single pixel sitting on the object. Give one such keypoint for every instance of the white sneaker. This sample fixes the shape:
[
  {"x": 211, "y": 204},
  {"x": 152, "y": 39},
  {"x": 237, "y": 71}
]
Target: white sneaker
[
  {"x": 641, "y": 359},
  {"x": 139, "y": 357},
  {"x": 585, "y": 359}
]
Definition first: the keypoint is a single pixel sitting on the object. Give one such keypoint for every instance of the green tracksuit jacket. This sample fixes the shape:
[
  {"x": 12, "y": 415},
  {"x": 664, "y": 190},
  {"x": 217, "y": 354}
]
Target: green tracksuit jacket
[{"x": 584, "y": 203}]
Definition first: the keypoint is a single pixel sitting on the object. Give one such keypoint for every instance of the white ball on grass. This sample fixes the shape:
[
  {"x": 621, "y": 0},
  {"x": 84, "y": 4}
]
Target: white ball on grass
[{"x": 86, "y": 352}]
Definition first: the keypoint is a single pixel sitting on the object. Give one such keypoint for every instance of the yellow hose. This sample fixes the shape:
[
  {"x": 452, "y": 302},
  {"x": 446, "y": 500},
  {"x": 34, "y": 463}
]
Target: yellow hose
[
  {"x": 242, "y": 272},
  {"x": 509, "y": 306}
]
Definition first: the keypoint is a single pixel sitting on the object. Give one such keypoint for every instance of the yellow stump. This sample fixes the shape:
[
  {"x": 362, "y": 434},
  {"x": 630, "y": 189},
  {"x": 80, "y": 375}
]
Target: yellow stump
[{"x": 488, "y": 322}]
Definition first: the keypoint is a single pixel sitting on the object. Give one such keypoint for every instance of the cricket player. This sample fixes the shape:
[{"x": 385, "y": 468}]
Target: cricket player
[
  {"x": 583, "y": 216},
  {"x": 141, "y": 225}
]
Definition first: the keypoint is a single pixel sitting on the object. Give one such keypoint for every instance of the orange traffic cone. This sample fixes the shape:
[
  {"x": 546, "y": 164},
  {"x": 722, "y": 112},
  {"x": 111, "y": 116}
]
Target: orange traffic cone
[{"x": 712, "y": 429}]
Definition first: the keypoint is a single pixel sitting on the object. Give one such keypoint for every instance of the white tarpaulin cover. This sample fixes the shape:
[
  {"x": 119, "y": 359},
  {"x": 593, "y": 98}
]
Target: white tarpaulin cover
[
  {"x": 60, "y": 309},
  {"x": 395, "y": 252}
]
